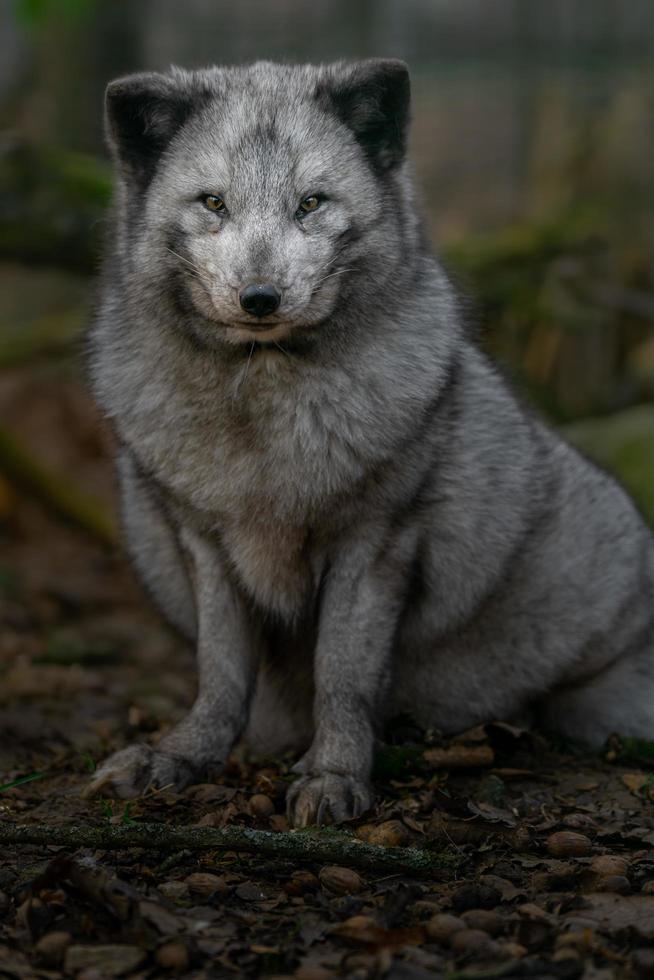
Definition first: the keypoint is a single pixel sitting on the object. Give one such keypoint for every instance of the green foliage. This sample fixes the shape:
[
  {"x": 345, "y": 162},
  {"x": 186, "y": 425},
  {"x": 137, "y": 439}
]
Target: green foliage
[
  {"x": 67, "y": 647},
  {"x": 21, "y": 781},
  {"x": 52, "y": 203},
  {"x": 398, "y": 762},
  {"x": 636, "y": 751},
  {"x": 623, "y": 443},
  {"x": 34, "y": 13}
]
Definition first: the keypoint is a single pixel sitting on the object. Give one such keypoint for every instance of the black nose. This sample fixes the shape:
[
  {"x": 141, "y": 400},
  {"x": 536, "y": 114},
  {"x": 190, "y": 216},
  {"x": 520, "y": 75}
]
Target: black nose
[{"x": 259, "y": 299}]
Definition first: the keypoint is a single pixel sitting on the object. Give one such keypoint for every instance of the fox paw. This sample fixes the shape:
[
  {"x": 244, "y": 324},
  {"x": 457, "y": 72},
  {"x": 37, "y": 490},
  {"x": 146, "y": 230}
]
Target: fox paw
[
  {"x": 327, "y": 798},
  {"x": 134, "y": 770}
]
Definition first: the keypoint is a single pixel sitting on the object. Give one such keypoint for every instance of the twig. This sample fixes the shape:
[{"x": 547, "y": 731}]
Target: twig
[
  {"x": 53, "y": 490},
  {"x": 322, "y": 846}
]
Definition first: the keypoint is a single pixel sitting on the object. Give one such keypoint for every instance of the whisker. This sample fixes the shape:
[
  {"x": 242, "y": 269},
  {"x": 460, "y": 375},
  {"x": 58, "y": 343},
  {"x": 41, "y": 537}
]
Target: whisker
[
  {"x": 245, "y": 372},
  {"x": 200, "y": 273},
  {"x": 331, "y": 261},
  {"x": 278, "y": 345},
  {"x": 340, "y": 272}
]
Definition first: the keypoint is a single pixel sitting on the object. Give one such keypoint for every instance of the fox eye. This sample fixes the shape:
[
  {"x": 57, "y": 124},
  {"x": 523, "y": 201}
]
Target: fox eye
[
  {"x": 214, "y": 203},
  {"x": 309, "y": 204}
]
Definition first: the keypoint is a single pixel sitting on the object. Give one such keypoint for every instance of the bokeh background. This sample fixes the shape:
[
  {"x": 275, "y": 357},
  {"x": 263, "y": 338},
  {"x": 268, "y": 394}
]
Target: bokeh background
[{"x": 533, "y": 143}]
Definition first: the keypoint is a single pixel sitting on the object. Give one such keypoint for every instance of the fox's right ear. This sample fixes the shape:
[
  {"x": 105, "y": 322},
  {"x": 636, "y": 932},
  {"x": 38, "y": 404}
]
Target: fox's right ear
[{"x": 142, "y": 114}]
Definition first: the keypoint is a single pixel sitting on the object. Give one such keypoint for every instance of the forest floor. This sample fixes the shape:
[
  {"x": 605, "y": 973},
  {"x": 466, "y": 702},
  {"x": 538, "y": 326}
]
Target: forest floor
[{"x": 550, "y": 850}]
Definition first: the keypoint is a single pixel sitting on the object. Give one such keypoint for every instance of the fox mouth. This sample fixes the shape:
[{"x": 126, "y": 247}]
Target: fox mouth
[
  {"x": 259, "y": 326},
  {"x": 242, "y": 331}
]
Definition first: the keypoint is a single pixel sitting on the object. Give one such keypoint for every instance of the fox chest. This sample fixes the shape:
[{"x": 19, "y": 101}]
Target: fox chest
[{"x": 274, "y": 563}]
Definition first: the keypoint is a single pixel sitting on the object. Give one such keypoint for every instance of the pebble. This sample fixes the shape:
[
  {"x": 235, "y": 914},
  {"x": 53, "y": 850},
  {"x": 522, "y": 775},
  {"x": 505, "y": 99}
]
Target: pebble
[
  {"x": 52, "y": 947},
  {"x": 441, "y": 927},
  {"x": 261, "y": 805},
  {"x": 648, "y": 887},
  {"x": 613, "y": 883},
  {"x": 300, "y": 883},
  {"x": 472, "y": 941},
  {"x": 391, "y": 833},
  {"x": 643, "y": 963},
  {"x": 313, "y": 973},
  {"x": 513, "y": 951},
  {"x": 484, "y": 919},
  {"x": 172, "y": 956},
  {"x": 567, "y": 843},
  {"x": 609, "y": 864},
  {"x": 340, "y": 881},
  {"x": 174, "y": 890},
  {"x": 475, "y": 897},
  {"x": 204, "y": 884}
]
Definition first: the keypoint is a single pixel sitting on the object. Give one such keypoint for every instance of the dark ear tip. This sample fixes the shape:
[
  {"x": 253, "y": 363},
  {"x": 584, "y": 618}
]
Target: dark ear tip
[
  {"x": 128, "y": 85},
  {"x": 390, "y": 67}
]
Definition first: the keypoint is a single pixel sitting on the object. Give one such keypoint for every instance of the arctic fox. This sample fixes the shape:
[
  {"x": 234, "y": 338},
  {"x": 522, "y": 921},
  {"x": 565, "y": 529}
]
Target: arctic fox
[{"x": 326, "y": 486}]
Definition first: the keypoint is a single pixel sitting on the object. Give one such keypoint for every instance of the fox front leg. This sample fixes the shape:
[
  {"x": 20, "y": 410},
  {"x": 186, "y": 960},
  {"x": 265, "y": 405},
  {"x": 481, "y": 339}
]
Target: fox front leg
[
  {"x": 361, "y": 605},
  {"x": 227, "y": 654}
]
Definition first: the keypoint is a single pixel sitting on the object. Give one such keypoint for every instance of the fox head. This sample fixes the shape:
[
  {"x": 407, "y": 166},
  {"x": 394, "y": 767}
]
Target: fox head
[{"x": 263, "y": 198}]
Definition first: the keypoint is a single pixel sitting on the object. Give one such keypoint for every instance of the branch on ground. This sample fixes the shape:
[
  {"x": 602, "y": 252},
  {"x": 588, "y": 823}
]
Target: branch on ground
[{"x": 321, "y": 846}]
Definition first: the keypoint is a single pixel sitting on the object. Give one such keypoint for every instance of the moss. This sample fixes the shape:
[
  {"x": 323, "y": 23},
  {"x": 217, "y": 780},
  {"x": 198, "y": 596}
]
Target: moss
[{"x": 623, "y": 444}]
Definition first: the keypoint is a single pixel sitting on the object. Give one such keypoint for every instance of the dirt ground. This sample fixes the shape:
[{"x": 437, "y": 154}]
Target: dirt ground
[{"x": 551, "y": 849}]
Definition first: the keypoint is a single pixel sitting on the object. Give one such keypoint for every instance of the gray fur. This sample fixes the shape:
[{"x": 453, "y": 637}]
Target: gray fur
[{"x": 346, "y": 509}]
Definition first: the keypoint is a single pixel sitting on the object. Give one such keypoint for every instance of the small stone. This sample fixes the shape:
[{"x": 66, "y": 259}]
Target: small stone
[
  {"x": 340, "y": 881},
  {"x": 172, "y": 956},
  {"x": 52, "y": 947},
  {"x": 313, "y": 973},
  {"x": 566, "y": 953},
  {"x": 567, "y": 843},
  {"x": 111, "y": 961},
  {"x": 578, "y": 939},
  {"x": 472, "y": 941},
  {"x": 425, "y": 909},
  {"x": 261, "y": 805},
  {"x": 441, "y": 927},
  {"x": 513, "y": 951},
  {"x": 391, "y": 833},
  {"x": 300, "y": 883},
  {"x": 484, "y": 919},
  {"x": 579, "y": 821},
  {"x": 609, "y": 864},
  {"x": 648, "y": 887},
  {"x": 613, "y": 883},
  {"x": 174, "y": 890},
  {"x": 278, "y": 823},
  {"x": 643, "y": 963},
  {"x": 204, "y": 884},
  {"x": 475, "y": 897}
]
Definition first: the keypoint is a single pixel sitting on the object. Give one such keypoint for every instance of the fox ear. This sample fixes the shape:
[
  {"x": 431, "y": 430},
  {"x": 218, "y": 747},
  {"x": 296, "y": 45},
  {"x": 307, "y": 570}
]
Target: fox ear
[
  {"x": 142, "y": 114},
  {"x": 372, "y": 98}
]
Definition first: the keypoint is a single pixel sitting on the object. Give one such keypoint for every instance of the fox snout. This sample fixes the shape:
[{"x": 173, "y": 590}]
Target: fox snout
[{"x": 260, "y": 299}]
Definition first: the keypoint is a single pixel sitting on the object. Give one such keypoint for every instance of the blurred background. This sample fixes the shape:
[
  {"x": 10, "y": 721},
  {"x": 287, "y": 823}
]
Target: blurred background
[
  {"x": 533, "y": 145},
  {"x": 533, "y": 142}
]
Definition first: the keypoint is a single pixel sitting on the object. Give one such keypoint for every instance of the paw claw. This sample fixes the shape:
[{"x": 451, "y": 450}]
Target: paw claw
[
  {"x": 132, "y": 771},
  {"x": 327, "y": 798}
]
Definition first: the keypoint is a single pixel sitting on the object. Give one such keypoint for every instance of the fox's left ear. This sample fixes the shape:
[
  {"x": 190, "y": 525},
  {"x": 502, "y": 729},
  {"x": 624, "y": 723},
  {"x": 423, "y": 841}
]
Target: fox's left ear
[{"x": 372, "y": 98}]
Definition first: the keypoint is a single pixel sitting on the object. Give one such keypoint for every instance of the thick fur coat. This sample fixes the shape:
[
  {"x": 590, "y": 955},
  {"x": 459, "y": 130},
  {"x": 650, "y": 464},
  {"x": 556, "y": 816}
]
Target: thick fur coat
[{"x": 339, "y": 501}]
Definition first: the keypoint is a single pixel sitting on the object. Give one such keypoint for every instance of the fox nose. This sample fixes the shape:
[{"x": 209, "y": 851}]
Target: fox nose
[{"x": 259, "y": 299}]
